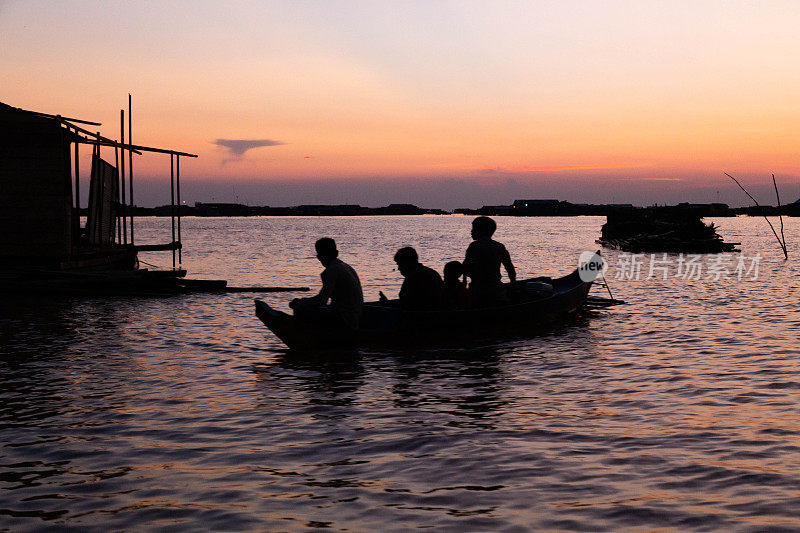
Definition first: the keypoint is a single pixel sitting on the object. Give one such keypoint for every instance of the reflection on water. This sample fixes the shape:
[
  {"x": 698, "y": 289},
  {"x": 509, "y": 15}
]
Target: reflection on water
[{"x": 677, "y": 411}]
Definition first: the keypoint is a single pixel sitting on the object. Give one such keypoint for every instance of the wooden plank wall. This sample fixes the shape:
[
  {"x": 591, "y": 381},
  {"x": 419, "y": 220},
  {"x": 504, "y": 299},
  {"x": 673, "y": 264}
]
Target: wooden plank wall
[{"x": 35, "y": 188}]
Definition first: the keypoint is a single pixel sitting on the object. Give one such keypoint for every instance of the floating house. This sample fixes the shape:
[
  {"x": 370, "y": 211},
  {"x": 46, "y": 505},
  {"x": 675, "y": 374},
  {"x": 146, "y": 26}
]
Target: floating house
[{"x": 44, "y": 242}]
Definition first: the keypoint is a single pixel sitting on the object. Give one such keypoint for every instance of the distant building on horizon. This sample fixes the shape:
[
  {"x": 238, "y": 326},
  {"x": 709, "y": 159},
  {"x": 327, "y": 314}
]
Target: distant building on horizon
[
  {"x": 521, "y": 204},
  {"x": 536, "y": 207}
]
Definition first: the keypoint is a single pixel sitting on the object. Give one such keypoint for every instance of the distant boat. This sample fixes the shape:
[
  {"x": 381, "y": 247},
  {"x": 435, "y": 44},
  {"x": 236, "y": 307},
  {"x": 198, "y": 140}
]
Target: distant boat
[
  {"x": 676, "y": 229},
  {"x": 383, "y": 325}
]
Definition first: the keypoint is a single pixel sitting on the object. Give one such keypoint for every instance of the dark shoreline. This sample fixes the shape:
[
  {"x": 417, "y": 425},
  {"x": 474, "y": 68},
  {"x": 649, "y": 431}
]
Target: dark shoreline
[{"x": 545, "y": 208}]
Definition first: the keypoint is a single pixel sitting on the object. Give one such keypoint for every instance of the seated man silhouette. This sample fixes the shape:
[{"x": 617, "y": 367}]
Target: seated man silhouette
[
  {"x": 422, "y": 288},
  {"x": 456, "y": 295},
  {"x": 482, "y": 265},
  {"x": 340, "y": 285}
]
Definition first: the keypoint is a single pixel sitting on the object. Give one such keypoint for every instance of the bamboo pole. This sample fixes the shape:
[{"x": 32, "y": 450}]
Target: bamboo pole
[
  {"x": 172, "y": 201},
  {"x": 122, "y": 174},
  {"x": 266, "y": 289},
  {"x": 78, "y": 129},
  {"x": 77, "y": 186},
  {"x": 119, "y": 226},
  {"x": 157, "y": 150},
  {"x": 783, "y": 244},
  {"x": 91, "y": 236},
  {"x": 178, "y": 200},
  {"x": 136, "y": 148},
  {"x": 130, "y": 161},
  {"x": 105, "y": 142},
  {"x": 59, "y": 117},
  {"x": 780, "y": 216}
]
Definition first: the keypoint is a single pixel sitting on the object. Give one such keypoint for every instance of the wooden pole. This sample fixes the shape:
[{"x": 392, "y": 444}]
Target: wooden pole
[
  {"x": 59, "y": 117},
  {"x": 780, "y": 217},
  {"x": 119, "y": 226},
  {"x": 783, "y": 246},
  {"x": 77, "y": 185},
  {"x": 178, "y": 191},
  {"x": 172, "y": 201},
  {"x": 92, "y": 236},
  {"x": 100, "y": 235},
  {"x": 266, "y": 289},
  {"x": 130, "y": 161},
  {"x": 76, "y": 224},
  {"x": 138, "y": 149},
  {"x": 122, "y": 174}
]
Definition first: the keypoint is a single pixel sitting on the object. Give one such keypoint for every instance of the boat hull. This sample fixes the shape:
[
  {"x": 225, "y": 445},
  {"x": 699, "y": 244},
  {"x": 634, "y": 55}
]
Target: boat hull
[{"x": 388, "y": 326}]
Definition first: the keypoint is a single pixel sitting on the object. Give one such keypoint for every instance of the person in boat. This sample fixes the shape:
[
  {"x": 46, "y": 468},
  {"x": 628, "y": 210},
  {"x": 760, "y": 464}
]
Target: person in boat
[
  {"x": 482, "y": 265},
  {"x": 340, "y": 285},
  {"x": 423, "y": 288},
  {"x": 456, "y": 294}
]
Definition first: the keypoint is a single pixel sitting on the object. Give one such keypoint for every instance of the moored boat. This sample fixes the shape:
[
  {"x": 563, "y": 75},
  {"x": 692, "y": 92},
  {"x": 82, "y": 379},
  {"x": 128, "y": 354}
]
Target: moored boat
[
  {"x": 662, "y": 229},
  {"x": 385, "y": 325}
]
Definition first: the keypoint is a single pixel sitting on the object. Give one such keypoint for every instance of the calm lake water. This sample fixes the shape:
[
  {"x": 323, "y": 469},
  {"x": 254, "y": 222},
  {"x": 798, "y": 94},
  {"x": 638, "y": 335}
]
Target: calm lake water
[{"x": 679, "y": 411}]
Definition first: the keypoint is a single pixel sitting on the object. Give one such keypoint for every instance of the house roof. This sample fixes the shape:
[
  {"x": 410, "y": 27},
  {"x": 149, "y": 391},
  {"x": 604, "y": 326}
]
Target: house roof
[{"x": 85, "y": 136}]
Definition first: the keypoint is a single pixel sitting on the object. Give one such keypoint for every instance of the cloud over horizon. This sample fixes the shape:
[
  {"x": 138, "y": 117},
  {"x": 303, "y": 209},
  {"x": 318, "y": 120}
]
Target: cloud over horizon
[{"x": 238, "y": 147}]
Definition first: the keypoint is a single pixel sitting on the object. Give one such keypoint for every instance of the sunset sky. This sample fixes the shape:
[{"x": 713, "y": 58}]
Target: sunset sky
[{"x": 442, "y": 104}]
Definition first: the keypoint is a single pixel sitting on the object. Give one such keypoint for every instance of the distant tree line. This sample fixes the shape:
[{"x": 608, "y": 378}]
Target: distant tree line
[{"x": 517, "y": 208}]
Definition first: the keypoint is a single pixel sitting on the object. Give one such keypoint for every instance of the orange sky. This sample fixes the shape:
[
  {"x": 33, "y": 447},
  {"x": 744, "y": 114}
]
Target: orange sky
[{"x": 569, "y": 92}]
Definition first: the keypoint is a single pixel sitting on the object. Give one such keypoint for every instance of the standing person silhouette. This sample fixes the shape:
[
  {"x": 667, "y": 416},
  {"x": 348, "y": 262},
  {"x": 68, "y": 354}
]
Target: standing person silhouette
[
  {"x": 340, "y": 285},
  {"x": 482, "y": 265}
]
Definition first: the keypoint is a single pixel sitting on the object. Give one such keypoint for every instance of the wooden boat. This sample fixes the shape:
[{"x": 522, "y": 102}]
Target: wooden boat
[{"x": 385, "y": 325}]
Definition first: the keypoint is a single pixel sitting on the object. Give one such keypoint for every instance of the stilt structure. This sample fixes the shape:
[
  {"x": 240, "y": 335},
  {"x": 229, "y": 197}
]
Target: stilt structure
[{"x": 44, "y": 243}]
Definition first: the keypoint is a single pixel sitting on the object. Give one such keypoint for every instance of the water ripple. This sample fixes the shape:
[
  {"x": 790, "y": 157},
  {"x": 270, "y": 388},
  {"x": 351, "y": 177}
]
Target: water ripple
[{"x": 678, "y": 411}]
